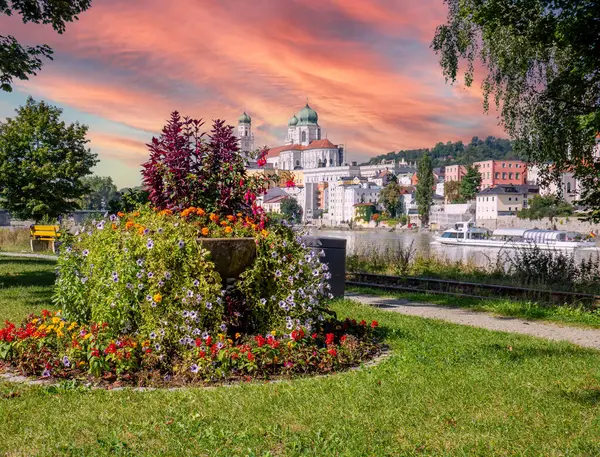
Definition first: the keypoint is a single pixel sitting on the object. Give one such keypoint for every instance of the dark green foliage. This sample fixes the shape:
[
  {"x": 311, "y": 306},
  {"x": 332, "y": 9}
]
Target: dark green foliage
[
  {"x": 128, "y": 199},
  {"x": 540, "y": 60},
  {"x": 291, "y": 210},
  {"x": 550, "y": 206},
  {"x": 17, "y": 61},
  {"x": 469, "y": 186},
  {"x": 452, "y": 191},
  {"x": 365, "y": 212},
  {"x": 391, "y": 199},
  {"x": 101, "y": 192},
  {"x": 456, "y": 153},
  {"x": 42, "y": 162},
  {"x": 424, "y": 192}
]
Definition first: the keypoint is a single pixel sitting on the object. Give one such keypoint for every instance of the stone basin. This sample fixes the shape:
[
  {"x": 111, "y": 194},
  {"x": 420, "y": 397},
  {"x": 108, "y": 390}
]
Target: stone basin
[{"x": 231, "y": 256}]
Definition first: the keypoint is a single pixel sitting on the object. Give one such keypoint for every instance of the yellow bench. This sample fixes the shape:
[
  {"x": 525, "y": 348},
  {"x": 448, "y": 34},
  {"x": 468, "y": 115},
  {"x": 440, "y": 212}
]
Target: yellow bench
[{"x": 44, "y": 237}]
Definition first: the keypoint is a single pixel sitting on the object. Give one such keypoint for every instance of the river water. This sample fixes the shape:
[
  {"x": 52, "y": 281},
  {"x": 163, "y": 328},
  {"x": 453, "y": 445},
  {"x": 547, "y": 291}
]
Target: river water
[{"x": 423, "y": 243}]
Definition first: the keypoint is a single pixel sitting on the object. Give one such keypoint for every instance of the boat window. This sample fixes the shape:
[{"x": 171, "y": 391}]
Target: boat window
[
  {"x": 460, "y": 235},
  {"x": 449, "y": 235}
]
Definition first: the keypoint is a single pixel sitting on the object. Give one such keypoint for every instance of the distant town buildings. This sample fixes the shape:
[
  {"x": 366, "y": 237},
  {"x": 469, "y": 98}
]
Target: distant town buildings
[
  {"x": 495, "y": 172},
  {"x": 503, "y": 200}
]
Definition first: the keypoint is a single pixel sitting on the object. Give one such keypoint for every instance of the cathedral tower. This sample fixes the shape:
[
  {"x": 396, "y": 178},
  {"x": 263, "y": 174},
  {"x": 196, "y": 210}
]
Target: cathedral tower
[{"x": 244, "y": 130}]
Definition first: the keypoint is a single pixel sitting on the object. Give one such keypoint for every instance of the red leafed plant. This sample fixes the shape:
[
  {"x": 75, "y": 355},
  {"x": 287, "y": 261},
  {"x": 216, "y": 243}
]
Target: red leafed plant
[{"x": 189, "y": 167}]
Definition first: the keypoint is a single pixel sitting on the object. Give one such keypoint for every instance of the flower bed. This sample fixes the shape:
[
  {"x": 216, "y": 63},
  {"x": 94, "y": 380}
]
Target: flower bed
[{"x": 52, "y": 346}]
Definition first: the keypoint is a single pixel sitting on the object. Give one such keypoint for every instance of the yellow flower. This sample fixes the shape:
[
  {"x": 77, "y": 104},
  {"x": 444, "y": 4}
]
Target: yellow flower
[
  {"x": 50, "y": 328},
  {"x": 237, "y": 335},
  {"x": 61, "y": 324},
  {"x": 289, "y": 344},
  {"x": 157, "y": 298},
  {"x": 59, "y": 333},
  {"x": 87, "y": 336},
  {"x": 273, "y": 332},
  {"x": 230, "y": 341},
  {"x": 221, "y": 336},
  {"x": 264, "y": 232},
  {"x": 42, "y": 327},
  {"x": 72, "y": 326},
  {"x": 55, "y": 320},
  {"x": 35, "y": 321}
]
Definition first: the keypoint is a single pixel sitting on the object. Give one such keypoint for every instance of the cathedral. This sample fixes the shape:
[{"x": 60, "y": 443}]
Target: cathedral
[{"x": 304, "y": 147}]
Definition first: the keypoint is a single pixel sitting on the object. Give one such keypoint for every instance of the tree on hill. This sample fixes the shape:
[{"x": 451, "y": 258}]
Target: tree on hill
[
  {"x": 540, "y": 60},
  {"x": 291, "y": 210},
  {"x": 101, "y": 192},
  {"x": 391, "y": 199},
  {"x": 17, "y": 61},
  {"x": 424, "y": 191},
  {"x": 470, "y": 184},
  {"x": 452, "y": 191},
  {"x": 42, "y": 162}
]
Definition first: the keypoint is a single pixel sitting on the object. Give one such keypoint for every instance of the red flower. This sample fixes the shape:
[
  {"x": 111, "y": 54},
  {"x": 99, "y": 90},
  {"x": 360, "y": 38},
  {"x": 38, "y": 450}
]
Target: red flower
[
  {"x": 45, "y": 313},
  {"x": 343, "y": 339},
  {"x": 363, "y": 323},
  {"x": 111, "y": 348},
  {"x": 329, "y": 338},
  {"x": 208, "y": 341},
  {"x": 290, "y": 183},
  {"x": 374, "y": 324},
  {"x": 148, "y": 351},
  {"x": 198, "y": 342},
  {"x": 332, "y": 352},
  {"x": 250, "y": 356},
  {"x": 201, "y": 354},
  {"x": 260, "y": 341},
  {"x": 95, "y": 353},
  {"x": 314, "y": 336}
]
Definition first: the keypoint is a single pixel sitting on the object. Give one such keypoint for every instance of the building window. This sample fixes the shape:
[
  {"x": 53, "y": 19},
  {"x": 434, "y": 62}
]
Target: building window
[
  {"x": 497, "y": 175},
  {"x": 517, "y": 175},
  {"x": 303, "y": 137},
  {"x": 510, "y": 165},
  {"x": 510, "y": 208},
  {"x": 568, "y": 187},
  {"x": 503, "y": 165},
  {"x": 510, "y": 176},
  {"x": 503, "y": 175},
  {"x": 297, "y": 163},
  {"x": 489, "y": 175},
  {"x": 516, "y": 199}
]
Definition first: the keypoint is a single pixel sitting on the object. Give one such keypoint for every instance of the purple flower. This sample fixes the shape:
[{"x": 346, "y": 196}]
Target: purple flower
[
  {"x": 196, "y": 283},
  {"x": 69, "y": 249},
  {"x": 139, "y": 275},
  {"x": 274, "y": 254},
  {"x": 278, "y": 273},
  {"x": 167, "y": 275},
  {"x": 223, "y": 327},
  {"x": 160, "y": 230},
  {"x": 282, "y": 304},
  {"x": 152, "y": 335},
  {"x": 149, "y": 297},
  {"x": 220, "y": 345},
  {"x": 263, "y": 301},
  {"x": 112, "y": 218},
  {"x": 150, "y": 243},
  {"x": 84, "y": 280},
  {"x": 100, "y": 226},
  {"x": 185, "y": 314},
  {"x": 157, "y": 347},
  {"x": 140, "y": 286},
  {"x": 129, "y": 286},
  {"x": 194, "y": 368},
  {"x": 139, "y": 262},
  {"x": 209, "y": 305},
  {"x": 161, "y": 283},
  {"x": 181, "y": 244},
  {"x": 205, "y": 335},
  {"x": 85, "y": 252},
  {"x": 146, "y": 231},
  {"x": 190, "y": 293},
  {"x": 315, "y": 272},
  {"x": 193, "y": 314},
  {"x": 150, "y": 274},
  {"x": 116, "y": 278},
  {"x": 66, "y": 362},
  {"x": 46, "y": 373}
]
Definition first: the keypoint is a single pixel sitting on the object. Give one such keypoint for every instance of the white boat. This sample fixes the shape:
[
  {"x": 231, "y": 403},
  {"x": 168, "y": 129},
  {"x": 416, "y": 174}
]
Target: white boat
[{"x": 466, "y": 234}]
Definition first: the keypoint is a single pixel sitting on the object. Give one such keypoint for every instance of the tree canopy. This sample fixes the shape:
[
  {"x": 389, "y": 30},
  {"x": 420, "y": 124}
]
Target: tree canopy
[
  {"x": 42, "y": 162},
  {"x": 541, "y": 61},
  {"x": 452, "y": 153},
  {"x": 291, "y": 210},
  {"x": 452, "y": 191},
  {"x": 101, "y": 191},
  {"x": 470, "y": 184},
  {"x": 424, "y": 191},
  {"x": 549, "y": 206},
  {"x": 17, "y": 61},
  {"x": 391, "y": 199}
]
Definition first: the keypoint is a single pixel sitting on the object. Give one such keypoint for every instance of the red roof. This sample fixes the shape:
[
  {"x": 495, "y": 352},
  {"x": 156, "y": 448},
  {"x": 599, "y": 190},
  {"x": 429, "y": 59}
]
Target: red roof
[{"x": 316, "y": 144}]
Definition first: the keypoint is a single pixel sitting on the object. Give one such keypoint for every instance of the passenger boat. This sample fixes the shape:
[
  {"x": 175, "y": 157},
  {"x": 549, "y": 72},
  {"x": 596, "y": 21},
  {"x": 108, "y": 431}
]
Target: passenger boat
[{"x": 466, "y": 234}]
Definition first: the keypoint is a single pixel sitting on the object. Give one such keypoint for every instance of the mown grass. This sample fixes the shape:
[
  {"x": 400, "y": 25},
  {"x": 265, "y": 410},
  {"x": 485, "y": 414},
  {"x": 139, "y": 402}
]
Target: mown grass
[
  {"x": 563, "y": 314},
  {"x": 445, "y": 390},
  {"x": 25, "y": 286}
]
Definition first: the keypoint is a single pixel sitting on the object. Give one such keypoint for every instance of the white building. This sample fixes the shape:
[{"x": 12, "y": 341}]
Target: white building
[
  {"x": 244, "y": 133},
  {"x": 343, "y": 197},
  {"x": 503, "y": 200}
]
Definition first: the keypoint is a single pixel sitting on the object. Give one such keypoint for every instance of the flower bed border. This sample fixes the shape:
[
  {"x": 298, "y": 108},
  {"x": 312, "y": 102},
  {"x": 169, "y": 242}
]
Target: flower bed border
[{"x": 7, "y": 374}]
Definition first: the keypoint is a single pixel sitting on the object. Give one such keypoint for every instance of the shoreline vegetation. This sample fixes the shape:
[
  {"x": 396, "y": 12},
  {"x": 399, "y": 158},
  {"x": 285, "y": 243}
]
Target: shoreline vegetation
[{"x": 535, "y": 268}]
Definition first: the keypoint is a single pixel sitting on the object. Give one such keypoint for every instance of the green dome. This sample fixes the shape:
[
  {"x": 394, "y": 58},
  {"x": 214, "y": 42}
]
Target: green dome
[
  {"x": 244, "y": 119},
  {"x": 293, "y": 121},
  {"x": 307, "y": 115}
]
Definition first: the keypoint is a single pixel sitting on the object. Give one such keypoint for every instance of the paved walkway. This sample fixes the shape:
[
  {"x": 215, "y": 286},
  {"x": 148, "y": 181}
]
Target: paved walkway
[
  {"x": 28, "y": 254},
  {"x": 583, "y": 337}
]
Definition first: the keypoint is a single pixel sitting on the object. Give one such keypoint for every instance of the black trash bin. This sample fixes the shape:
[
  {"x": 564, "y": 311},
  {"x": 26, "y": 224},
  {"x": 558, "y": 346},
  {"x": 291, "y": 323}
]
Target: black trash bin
[{"x": 335, "y": 257}]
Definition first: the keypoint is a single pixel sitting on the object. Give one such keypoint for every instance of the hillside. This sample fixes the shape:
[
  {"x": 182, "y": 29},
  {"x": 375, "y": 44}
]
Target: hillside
[{"x": 456, "y": 153}]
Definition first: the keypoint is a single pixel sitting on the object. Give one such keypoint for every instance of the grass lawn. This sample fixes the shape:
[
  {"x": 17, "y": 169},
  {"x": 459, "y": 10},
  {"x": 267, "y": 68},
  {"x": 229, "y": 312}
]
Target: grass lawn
[
  {"x": 570, "y": 315},
  {"x": 445, "y": 390}
]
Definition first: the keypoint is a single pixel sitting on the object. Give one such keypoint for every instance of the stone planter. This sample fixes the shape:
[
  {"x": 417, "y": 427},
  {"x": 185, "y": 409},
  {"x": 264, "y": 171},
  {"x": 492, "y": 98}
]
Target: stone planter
[{"x": 231, "y": 256}]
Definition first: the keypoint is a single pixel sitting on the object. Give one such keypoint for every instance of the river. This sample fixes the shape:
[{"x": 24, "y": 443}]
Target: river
[{"x": 423, "y": 244}]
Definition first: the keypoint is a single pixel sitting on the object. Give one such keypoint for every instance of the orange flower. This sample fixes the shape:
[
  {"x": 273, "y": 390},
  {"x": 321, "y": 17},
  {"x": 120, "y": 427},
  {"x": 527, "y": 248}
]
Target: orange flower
[
  {"x": 228, "y": 229},
  {"x": 186, "y": 212},
  {"x": 129, "y": 224},
  {"x": 214, "y": 217},
  {"x": 120, "y": 214},
  {"x": 166, "y": 212},
  {"x": 224, "y": 223},
  {"x": 141, "y": 229},
  {"x": 254, "y": 227},
  {"x": 239, "y": 214},
  {"x": 200, "y": 212},
  {"x": 157, "y": 298},
  {"x": 264, "y": 233},
  {"x": 204, "y": 231},
  {"x": 114, "y": 226},
  {"x": 231, "y": 218},
  {"x": 136, "y": 214}
]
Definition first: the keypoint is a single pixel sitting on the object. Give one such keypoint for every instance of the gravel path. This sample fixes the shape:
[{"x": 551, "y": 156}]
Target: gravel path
[
  {"x": 583, "y": 337},
  {"x": 29, "y": 255}
]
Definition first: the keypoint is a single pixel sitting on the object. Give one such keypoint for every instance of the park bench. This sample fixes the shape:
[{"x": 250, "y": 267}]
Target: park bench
[{"x": 44, "y": 237}]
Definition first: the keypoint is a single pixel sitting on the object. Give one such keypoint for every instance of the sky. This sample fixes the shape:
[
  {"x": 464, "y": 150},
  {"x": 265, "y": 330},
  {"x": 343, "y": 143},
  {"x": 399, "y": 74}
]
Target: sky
[{"x": 366, "y": 67}]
